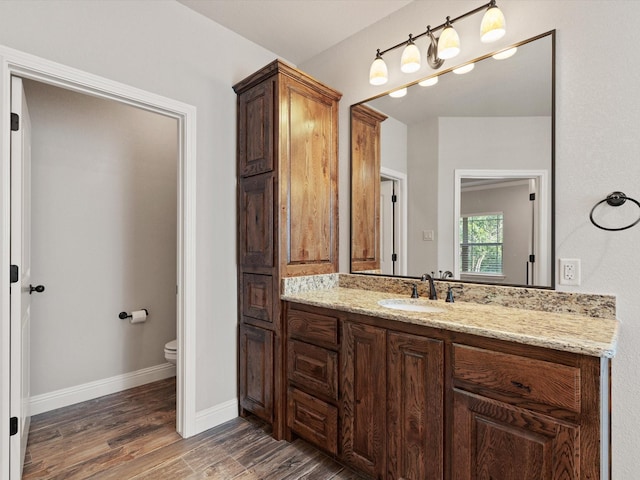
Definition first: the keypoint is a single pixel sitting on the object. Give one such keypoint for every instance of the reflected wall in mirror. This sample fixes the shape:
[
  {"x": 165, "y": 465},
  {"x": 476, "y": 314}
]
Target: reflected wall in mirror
[{"x": 450, "y": 154}]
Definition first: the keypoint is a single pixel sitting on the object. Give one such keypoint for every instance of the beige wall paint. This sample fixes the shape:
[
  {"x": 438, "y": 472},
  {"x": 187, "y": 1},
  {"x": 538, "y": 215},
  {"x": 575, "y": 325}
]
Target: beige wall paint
[
  {"x": 104, "y": 230},
  {"x": 597, "y": 147}
]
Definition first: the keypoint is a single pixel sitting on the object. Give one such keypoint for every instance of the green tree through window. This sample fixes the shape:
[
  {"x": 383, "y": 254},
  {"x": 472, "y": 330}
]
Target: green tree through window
[{"x": 481, "y": 243}]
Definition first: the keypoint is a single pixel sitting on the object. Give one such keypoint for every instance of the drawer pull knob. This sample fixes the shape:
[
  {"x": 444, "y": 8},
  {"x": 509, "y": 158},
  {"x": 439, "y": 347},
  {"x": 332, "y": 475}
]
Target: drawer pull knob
[{"x": 521, "y": 386}]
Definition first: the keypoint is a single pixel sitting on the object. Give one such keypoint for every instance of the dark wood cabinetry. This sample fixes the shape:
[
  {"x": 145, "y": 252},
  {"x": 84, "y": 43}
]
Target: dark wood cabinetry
[
  {"x": 518, "y": 416},
  {"x": 415, "y": 399},
  {"x": 287, "y": 217},
  {"x": 417, "y": 403},
  {"x": 364, "y": 398}
]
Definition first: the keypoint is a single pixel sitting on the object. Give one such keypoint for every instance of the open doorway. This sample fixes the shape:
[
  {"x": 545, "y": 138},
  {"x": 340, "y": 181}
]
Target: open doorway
[
  {"x": 393, "y": 222},
  {"x": 104, "y": 179},
  {"x": 34, "y": 68}
]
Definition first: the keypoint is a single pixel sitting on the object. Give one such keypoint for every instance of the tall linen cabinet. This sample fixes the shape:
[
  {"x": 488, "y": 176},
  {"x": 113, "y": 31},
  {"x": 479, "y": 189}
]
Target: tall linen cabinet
[{"x": 287, "y": 203}]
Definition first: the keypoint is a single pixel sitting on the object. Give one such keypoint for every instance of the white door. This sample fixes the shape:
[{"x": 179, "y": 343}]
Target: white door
[{"x": 20, "y": 290}]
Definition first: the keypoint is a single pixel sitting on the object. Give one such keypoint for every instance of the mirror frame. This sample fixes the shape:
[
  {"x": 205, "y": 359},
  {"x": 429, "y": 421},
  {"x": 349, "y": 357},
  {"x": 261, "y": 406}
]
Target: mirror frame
[{"x": 552, "y": 179}]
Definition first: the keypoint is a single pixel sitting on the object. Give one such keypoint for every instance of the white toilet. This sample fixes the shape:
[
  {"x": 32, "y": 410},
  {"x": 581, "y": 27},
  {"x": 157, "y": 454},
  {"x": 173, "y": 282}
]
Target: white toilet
[{"x": 170, "y": 351}]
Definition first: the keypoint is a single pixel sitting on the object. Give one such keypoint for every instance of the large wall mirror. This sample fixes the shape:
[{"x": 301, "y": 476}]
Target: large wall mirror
[{"x": 457, "y": 177}]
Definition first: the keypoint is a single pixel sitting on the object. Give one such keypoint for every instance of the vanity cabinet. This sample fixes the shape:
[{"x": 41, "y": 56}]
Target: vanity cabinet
[
  {"x": 312, "y": 373},
  {"x": 415, "y": 407},
  {"x": 287, "y": 212},
  {"x": 364, "y": 383},
  {"x": 419, "y": 403},
  {"x": 517, "y": 416}
]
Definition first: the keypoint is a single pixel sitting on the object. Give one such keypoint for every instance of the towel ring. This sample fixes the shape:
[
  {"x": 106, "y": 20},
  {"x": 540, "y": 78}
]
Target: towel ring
[{"x": 614, "y": 199}]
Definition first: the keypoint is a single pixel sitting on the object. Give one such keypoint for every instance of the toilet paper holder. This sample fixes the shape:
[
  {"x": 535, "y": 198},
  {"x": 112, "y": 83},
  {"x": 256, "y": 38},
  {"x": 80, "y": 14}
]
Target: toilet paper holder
[{"x": 123, "y": 315}]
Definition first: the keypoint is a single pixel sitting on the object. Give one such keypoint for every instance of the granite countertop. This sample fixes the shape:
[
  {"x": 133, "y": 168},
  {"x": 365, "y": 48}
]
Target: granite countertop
[{"x": 559, "y": 331}]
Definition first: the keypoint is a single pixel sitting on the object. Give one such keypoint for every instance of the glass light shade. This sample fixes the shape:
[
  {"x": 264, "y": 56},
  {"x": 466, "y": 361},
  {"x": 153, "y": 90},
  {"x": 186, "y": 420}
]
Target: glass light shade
[
  {"x": 429, "y": 82},
  {"x": 378, "y": 73},
  {"x": 493, "y": 25},
  {"x": 448, "y": 43},
  {"x": 464, "y": 69},
  {"x": 398, "y": 93},
  {"x": 410, "y": 61},
  {"x": 506, "y": 53}
]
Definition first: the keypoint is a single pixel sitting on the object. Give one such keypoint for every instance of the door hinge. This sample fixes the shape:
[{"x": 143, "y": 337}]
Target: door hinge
[
  {"x": 13, "y": 426},
  {"x": 394, "y": 257},
  {"x": 394, "y": 198},
  {"x": 532, "y": 258},
  {"x": 14, "y": 274},
  {"x": 15, "y": 122},
  {"x": 532, "y": 196}
]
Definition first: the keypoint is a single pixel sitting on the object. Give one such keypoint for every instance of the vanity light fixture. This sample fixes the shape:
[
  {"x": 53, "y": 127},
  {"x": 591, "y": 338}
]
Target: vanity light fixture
[
  {"x": 464, "y": 69},
  {"x": 378, "y": 74},
  {"x": 410, "y": 61},
  {"x": 429, "y": 82},
  {"x": 401, "y": 92},
  {"x": 493, "y": 24},
  {"x": 492, "y": 28},
  {"x": 449, "y": 42},
  {"x": 508, "y": 53}
]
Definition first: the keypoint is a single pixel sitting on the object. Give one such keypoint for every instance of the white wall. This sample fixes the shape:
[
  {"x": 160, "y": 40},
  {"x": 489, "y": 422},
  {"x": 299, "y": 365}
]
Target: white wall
[
  {"x": 498, "y": 143},
  {"x": 165, "y": 48},
  {"x": 104, "y": 225},
  {"x": 597, "y": 147},
  {"x": 423, "y": 198},
  {"x": 393, "y": 145}
]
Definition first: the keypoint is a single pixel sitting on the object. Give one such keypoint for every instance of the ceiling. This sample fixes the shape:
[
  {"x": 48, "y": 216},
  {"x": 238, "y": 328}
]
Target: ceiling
[{"x": 296, "y": 30}]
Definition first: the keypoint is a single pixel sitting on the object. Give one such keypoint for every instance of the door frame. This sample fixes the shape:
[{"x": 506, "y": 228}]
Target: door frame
[
  {"x": 401, "y": 223},
  {"x": 14, "y": 62},
  {"x": 542, "y": 240}
]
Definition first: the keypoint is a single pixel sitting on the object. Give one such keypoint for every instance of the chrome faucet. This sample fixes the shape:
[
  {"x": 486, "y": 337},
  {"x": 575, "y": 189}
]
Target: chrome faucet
[{"x": 432, "y": 288}]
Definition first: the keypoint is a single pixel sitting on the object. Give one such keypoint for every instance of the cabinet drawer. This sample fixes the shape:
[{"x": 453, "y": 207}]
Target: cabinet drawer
[
  {"x": 521, "y": 378},
  {"x": 313, "y": 419},
  {"x": 312, "y": 367},
  {"x": 313, "y": 328}
]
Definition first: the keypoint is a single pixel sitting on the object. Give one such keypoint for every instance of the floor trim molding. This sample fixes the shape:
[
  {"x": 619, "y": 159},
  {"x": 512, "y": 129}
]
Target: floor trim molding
[
  {"x": 216, "y": 415},
  {"x": 88, "y": 391}
]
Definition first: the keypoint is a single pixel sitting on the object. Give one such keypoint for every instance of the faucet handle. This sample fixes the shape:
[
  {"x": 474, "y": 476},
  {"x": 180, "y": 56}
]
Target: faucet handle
[{"x": 414, "y": 291}]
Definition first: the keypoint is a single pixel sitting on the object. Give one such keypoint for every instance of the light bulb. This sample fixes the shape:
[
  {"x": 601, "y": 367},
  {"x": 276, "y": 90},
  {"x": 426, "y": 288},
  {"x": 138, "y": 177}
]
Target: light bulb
[
  {"x": 449, "y": 42},
  {"x": 505, "y": 53},
  {"x": 493, "y": 25},
  {"x": 464, "y": 69},
  {"x": 398, "y": 93},
  {"x": 378, "y": 73},
  {"x": 410, "y": 61},
  {"x": 429, "y": 82}
]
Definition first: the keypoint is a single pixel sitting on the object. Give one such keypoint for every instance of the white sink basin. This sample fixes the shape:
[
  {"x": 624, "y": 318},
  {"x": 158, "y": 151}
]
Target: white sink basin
[{"x": 410, "y": 305}]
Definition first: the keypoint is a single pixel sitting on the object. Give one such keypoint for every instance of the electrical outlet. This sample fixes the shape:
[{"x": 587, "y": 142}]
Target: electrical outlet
[{"x": 569, "y": 271}]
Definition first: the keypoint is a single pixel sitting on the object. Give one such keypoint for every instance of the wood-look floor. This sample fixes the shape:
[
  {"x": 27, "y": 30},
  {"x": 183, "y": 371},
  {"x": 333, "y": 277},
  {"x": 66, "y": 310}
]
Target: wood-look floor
[{"x": 131, "y": 435}]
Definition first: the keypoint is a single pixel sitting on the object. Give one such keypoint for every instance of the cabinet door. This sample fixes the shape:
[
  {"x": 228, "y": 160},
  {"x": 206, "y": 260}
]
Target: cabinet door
[
  {"x": 308, "y": 180},
  {"x": 255, "y": 221},
  {"x": 364, "y": 394},
  {"x": 494, "y": 440},
  {"x": 415, "y": 407},
  {"x": 365, "y": 188},
  {"x": 256, "y": 371},
  {"x": 255, "y": 130}
]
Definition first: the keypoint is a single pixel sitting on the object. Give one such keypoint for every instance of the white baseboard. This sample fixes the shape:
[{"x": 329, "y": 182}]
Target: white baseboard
[
  {"x": 81, "y": 393},
  {"x": 216, "y": 415}
]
